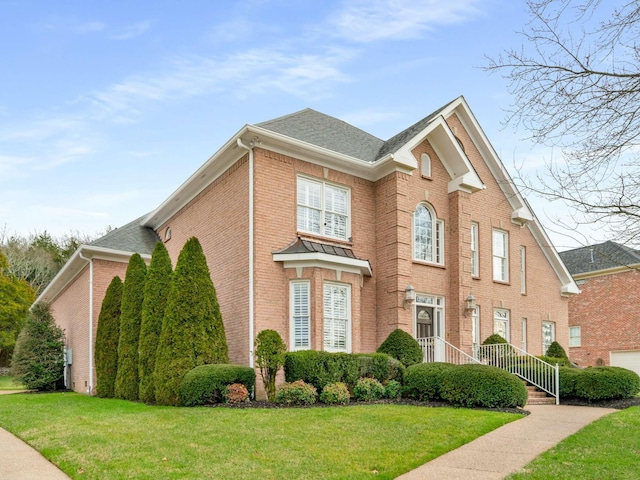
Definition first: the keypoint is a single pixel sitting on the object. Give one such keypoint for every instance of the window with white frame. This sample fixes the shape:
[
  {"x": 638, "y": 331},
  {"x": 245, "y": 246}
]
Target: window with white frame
[
  {"x": 575, "y": 336},
  {"x": 300, "y": 326},
  {"x": 475, "y": 328},
  {"x": 501, "y": 323},
  {"x": 323, "y": 208},
  {"x": 548, "y": 335},
  {"x": 337, "y": 318},
  {"x": 523, "y": 270},
  {"x": 500, "y": 256},
  {"x": 524, "y": 334},
  {"x": 425, "y": 165},
  {"x": 475, "y": 254},
  {"x": 428, "y": 236}
]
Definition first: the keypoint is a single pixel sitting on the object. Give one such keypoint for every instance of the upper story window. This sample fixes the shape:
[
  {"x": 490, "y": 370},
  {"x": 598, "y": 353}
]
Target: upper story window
[
  {"x": 500, "y": 256},
  {"x": 323, "y": 208},
  {"x": 425, "y": 165},
  {"x": 523, "y": 270},
  {"x": 475, "y": 254},
  {"x": 428, "y": 236}
]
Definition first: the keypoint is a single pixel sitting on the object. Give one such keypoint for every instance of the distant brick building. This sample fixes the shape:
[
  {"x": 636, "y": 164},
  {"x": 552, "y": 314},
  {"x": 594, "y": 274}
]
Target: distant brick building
[
  {"x": 334, "y": 238},
  {"x": 604, "y": 319}
]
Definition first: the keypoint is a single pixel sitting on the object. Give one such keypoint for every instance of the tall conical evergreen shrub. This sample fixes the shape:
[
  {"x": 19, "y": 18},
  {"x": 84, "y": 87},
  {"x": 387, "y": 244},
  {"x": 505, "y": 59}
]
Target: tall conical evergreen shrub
[
  {"x": 127, "y": 381},
  {"x": 156, "y": 292},
  {"x": 192, "y": 330},
  {"x": 107, "y": 338}
]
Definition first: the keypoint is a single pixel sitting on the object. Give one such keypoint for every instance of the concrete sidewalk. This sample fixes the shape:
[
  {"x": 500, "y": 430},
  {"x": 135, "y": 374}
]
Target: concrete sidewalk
[{"x": 510, "y": 447}]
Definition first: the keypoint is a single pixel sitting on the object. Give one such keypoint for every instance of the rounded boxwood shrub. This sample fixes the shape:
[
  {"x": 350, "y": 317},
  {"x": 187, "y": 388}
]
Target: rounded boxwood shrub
[
  {"x": 380, "y": 366},
  {"x": 401, "y": 345},
  {"x": 555, "y": 350},
  {"x": 207, "y": 384},
  {"x": 321, "y": 368},
  {"x": 482, "y": 386},
  {"x": 494, "y": 339},
  {"x": 368, "y": 390},
  {"x": 297, "y": 393},
  {"x": 568, "y": 378},
  {"x": 604, "y": 383},
  {"x": 562, "y": 362},
  {"x": 335, "y": 394},
  {"x": 393, "y": 389},
  {"x": 422, "y": 381}
]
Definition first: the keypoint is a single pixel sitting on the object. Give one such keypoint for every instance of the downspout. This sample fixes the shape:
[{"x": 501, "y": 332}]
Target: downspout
[
  {"x": 251, "y": 287},
  {"x": 90, "y": 260}
]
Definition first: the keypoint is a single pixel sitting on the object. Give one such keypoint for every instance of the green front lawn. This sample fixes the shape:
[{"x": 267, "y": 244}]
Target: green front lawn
[
  {"x": 6, "y": 383},
  {"x": 97, "y": 438},
  {"x": 609, "y": 448}
]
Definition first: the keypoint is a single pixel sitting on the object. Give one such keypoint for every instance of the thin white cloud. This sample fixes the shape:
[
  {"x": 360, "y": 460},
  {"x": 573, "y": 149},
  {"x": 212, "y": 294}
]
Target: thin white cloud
[
  {"x": 13, "y": 166},
  {"x": 89, "y": 27},
  {"x": 371, "y": 20},
  {"x": 132, "y": 31}
]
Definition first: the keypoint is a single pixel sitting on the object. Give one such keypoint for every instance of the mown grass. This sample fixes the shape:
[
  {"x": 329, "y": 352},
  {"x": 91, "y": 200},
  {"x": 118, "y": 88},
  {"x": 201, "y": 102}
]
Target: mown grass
[
  {"x": 609, "y": 448},
  {"x": 7, "y": 383},
  {"x": 88, "y": 437}
]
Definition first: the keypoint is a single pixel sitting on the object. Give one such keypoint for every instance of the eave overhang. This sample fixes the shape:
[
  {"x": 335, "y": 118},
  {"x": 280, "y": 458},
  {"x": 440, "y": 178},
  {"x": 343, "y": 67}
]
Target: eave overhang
[{"x": 324, "y": 260}]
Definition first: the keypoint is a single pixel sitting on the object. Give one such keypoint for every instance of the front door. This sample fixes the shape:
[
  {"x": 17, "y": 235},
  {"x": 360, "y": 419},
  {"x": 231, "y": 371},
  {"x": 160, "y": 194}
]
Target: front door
[
  {"x": 424, "y": 321},
  {"x": 429, "y": 317}
]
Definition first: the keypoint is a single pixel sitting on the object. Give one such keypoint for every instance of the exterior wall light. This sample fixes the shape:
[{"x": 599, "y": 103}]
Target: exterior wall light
[
  {"x": 470, "y": 305},
  {"x": 409, "y": 296}
]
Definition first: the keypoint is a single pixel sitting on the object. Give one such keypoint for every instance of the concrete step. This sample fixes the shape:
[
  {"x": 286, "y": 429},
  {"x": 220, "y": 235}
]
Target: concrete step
[{"x": 538, "y": 398}]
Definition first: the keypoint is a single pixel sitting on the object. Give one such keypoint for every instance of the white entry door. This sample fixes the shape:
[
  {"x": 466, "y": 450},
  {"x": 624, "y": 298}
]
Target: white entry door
[{"x": 429, "y": 321}]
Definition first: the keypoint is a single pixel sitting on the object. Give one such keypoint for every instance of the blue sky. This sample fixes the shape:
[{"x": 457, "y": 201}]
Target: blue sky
[{"x": 107, "y": 107}]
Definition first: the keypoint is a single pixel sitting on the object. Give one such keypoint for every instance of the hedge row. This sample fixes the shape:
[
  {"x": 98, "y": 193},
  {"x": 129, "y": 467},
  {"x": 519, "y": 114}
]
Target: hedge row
[
  {"x": 207, "y": 384},
  {"x": 598, "y": 383}
]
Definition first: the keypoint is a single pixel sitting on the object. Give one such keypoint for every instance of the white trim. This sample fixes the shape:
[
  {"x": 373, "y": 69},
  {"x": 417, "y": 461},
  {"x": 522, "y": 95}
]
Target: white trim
[
  {"x": 579, "y": 336},
  {"x": 437, "y": 236},
  {"x": 501, "y": 274},
  {"x": 323, "y": 211},
  {"x": 349, "y": 319},
  {"x": 292, "y": 333},
  {"x": 475, "y": 249},
  {"x": 324, "y": 260}
]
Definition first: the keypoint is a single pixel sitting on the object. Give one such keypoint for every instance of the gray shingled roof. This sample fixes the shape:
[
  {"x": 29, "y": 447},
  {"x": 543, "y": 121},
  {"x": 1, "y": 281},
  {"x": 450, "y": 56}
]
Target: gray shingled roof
[
  {"x": 307, "y": 246},
  {"x": 131, "y": 237},
  {"x": 336, "y": 135},
  {"x": 599, "y": 257}
]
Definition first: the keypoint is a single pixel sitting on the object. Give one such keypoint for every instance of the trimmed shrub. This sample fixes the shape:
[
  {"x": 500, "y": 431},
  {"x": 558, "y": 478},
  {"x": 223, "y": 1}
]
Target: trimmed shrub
[
  {"x": 269, "y": 351},
  {"x": 236, "y": 393},
  {"x": 321, "y": 368},
  {"x": 127, "y": 380},
  {"x": 393, "y": 389},
  {"x": 422, "y": 381},
  {"x": 568, "y": 378},
  {"x": 482, "y": 386},
  {"x": 107, "y": 338},
  {"x": 335, "y": 394},
  {"x": 192, "y": 329},
  {"x": 555, "y": 350},
  {"x": 207, "y": 384},
  {"x": 368, "y": 390},
  {"x": 402, "y": 346},
  {"x": 38, "y": 357},
  {"x": 380, "y": 366},
  {"x": 297, "y": 393},
  {"x": 562, "y": 362},
  {"x": 156, "y": 292},
  {"x": 604, "y": 383},
  {"x": 494, "y": 339}
]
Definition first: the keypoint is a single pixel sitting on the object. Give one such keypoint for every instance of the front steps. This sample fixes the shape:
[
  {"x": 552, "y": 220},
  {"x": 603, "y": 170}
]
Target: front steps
[{"x": 537, "y": 397}]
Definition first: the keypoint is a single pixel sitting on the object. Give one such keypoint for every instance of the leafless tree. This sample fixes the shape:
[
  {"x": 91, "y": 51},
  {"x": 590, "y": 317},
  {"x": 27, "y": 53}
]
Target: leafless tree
[{"x": 576, "y": 86}]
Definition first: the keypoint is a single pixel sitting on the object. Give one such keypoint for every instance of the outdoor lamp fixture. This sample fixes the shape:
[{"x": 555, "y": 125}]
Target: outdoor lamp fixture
[
  {"x": 409, "y": 296},
  {"x": 470, "y": 304}
]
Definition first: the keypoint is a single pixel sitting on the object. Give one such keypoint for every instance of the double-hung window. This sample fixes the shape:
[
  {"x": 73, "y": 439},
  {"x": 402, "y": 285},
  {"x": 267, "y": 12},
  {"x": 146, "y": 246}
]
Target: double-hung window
[
  {"x": 337, "y": 318},
  {"x": 323, "y": 208},
  {"x": 500, "y": 256},
  {"x": 300, "y": 326},
  {"x": 575, "y": 336},
  {"x": 475, "y": 254},
  {"x": 428, "y": 236}
]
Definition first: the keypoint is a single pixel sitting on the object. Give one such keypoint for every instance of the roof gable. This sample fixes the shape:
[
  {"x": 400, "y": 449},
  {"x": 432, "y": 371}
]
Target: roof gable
[{"x": 604, "y": 256}]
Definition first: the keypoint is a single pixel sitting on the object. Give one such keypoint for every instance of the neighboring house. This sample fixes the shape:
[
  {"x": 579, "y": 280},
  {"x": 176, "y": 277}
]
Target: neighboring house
[
  {"x": 604, "y": 320},
  {"x": 335, "y": 238}
]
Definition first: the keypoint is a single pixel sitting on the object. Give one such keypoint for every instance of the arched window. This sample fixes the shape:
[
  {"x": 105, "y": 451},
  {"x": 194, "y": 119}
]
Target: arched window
[
  {"x": 428, "y": 236},
  {"x": 425, "y": 165}
]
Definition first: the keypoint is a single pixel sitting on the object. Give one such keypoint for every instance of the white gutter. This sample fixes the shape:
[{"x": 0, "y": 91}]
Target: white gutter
[
  {"x": 251, "y": 288},
  {"x": 90, "y": 260}
]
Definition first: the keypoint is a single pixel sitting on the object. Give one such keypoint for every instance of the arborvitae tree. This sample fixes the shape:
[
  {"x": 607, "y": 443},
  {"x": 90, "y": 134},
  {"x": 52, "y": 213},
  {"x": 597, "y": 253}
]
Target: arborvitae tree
[
  {"x": 127, "y": 381},
  {"x": 38, "y": 358},
  {"x": 192, "y": 330},
  {"x": 156, "y": 292},
  {"x": 107, "y": 338}
]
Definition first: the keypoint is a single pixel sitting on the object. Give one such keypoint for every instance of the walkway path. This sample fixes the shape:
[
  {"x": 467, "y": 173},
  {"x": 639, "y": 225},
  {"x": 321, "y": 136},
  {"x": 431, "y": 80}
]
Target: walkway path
[{"x": 510, "y": 447}]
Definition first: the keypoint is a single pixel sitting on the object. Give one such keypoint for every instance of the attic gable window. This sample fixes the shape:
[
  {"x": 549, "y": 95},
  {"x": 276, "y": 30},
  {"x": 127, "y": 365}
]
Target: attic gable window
[{"x": 323, "y": 208}]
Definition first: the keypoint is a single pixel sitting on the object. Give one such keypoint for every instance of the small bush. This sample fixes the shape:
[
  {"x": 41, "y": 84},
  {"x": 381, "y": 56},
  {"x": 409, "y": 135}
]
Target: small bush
[
  {"x": 494, "y": 339},
  {"x": 236, "y": 393},
  {"x": 380, "y": 366},
  {"x": 321, "y": 368},
  {"x": 207, "y": 384},
  {"x": 335, "y": 394},
  {"x": 422, "y": 381},
  {"x": 568, "y": 378},
  {"x": 270, "y": 350},
  {"x": 555, "y": 350},
  {"x": 604, "y": 383},
  {"x": 482, "y": 386},
  {"x": 402, "y": 346},
  {"x": 297, "y": 393},
  {"x": 562, "y": 362},
  {"x": 368, "y": 390},
  {"x": 393, "y": 389}
]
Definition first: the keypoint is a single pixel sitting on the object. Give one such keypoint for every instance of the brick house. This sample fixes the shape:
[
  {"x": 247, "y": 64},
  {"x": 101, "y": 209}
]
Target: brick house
[
  {"x": 335, "y": 238},
  {"x": 604, "y": 321}
]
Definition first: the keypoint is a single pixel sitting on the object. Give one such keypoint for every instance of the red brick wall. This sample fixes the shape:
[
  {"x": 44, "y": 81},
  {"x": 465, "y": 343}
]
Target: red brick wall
[{"x": 607, "y": 312}]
